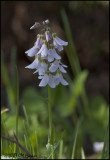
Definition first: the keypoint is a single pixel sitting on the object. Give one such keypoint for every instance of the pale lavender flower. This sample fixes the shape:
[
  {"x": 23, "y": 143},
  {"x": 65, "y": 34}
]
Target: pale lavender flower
[
  {"x": 48, "y": 36},
  {"x": 35, "y": 25},
  {"x": 47, "y": 79},
  {"x": 42, "y": 68},
  {"x": 43, "y": 51},
  {"x": 32, "y": 52},
  {"x": 58, "y": 78},
  {"x": 34, "y": 64},
  {"x": 58, "y": 43},
  {"x": 57, "y": 65},
  {"x": 47, "y": 21}
]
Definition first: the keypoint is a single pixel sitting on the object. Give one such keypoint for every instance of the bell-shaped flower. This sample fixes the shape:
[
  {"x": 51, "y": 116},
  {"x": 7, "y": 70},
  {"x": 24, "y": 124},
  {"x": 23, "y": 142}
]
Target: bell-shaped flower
[
  {"x": 42, "y": 68},
  {"x": 57, "y": 65},
  {"x": 58, "y": 43},
  {"x": 59, "y": 79},
  {"x": 32, "y": 52},
  {"x": 39, "y": 41},
  {"x": 44, "y": 50},
  {"x": 47, "y": 21},
  {"x": 34, "y": 64},
  {"x": 35, "y": 25},
  {"x": 47, "y": 79},
  {"x": 48, "y": 36}
]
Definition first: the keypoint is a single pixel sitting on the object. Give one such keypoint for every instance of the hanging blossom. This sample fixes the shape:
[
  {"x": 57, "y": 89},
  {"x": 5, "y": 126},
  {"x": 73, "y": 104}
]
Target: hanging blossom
[{"x": 47, "y": 62}]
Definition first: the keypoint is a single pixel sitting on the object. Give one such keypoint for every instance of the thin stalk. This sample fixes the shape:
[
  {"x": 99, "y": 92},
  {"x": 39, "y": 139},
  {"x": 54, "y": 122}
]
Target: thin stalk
[
  {"x": 17, "y": 111},
  {"x": 50, "y": 117}
]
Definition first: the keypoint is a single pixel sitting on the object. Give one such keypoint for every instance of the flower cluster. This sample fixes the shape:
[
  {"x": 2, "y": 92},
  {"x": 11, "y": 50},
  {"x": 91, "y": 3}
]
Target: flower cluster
[{"x": 47, "y": 62}]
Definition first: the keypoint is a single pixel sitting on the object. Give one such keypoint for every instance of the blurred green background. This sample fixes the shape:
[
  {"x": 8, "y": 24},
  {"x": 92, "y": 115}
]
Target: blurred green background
[{"x": 81, "y": 108}]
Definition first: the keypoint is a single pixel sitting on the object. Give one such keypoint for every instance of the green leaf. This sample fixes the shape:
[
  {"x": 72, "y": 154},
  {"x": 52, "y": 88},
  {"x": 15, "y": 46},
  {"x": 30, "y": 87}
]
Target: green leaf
[
  {"x": 105, "y": 152},
  {"x": 75, "y": 139},
  {"x": 32, "y": 101}
]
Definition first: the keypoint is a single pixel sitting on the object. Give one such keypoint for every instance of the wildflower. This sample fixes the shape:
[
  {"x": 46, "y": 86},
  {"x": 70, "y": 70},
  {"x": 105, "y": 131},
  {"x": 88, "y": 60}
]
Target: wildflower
[
  {"x": 32, "y": 52},
  {"x": 47, "y": 79},
  {"x": 47, "y": 21},
  {"x": 57, "y": 65},
  {"x": 58, "y": 43},
  {"x": 42, "y": 68},
  {"x": 47, "y": 62},
  {"x": 44, "y": 50},
  {"x": 59, "y": 79},
  {"x": 48, "y": 36},
  {"x": 35, "y": 25},
  {"x": 39, "y": 41}
]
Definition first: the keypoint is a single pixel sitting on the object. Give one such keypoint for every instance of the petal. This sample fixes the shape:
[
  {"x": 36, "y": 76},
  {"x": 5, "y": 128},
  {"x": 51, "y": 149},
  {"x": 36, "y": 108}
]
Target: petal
[
  {"x": 35, "y": 25},
  {"x": 44, "y": 52},
  {"x": 61, "y": 42},
  {"x": 33, "y": 65},
  {"x": 63, "y": 82},
  {"x": 38, "y": 43},
  {"x": 50, "y": 56},
  {"x": 35, "y": 71},
  {"x": 32, "y": 52},
  {"x": 56, "y": 80},
  {"x": 40, "y": 77},
  {"x": 44, "y": 81},
  {"x": 42, "y": 48},
  {"x": 56, "y": 56},
  {"x": 62, "y": 69},
  {"x": 51, "y": 82},
  {"x": 48, "y": 36},
  {"x": 59, "y": 47},
  {"x": 53, "y": 67}
]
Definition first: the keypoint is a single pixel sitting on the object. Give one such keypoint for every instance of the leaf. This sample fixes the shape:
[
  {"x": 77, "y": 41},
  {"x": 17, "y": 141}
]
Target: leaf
[
  {"x": 32, "y": 101},
  {"x": 75, "y": 139},
  {"x": 105, "y": 152}
]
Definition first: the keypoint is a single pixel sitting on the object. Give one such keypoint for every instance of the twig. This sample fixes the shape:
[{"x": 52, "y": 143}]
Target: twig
[{"x": 17, "y": 142}]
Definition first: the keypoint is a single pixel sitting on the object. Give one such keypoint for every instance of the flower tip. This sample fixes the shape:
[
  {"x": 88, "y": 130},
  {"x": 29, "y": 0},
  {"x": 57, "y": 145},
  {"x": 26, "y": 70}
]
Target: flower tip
[
  {"x": 47, "y": 21},
  {"x": 35, "y": 25}
]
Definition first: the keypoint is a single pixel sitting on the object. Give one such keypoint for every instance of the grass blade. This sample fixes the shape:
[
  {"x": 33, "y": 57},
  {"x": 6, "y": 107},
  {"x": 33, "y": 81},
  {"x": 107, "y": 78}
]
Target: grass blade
[
  {"x": 75, "y": 139},
  {"x": 105, "y": 152},
  {"x": 61, "y": 149},
  {"x": 82, "y": 154}
]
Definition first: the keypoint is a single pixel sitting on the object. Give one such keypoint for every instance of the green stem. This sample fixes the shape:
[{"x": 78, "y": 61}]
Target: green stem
[
  {"x": 50, "y": 118},
  {"x": 17, "y": 111}
]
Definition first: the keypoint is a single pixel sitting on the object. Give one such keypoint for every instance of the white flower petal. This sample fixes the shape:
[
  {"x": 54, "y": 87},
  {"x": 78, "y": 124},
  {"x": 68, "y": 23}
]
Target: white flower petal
[
  {"x": 50, "y": 58},
  {"x": 33, "y": 65},
  {"x": 44, "y": 81},
  {"x": 56, "y": 45},
  {"x": 61, "y": 42},
  {"x": 55, "y": 55},
  {"x": 56, "y": 79},
  {"x": 38, "y": 43},
  {"x": 32, "y": 52},
  {"x": 53, "y": 67},
  {"x": 44, "y": 52},
  {"x": 62, "y": 69},
  {"x": 35, "y": 25},
  {"x": 63, "y": 82},
  {"x": 40, "y": 77},
  {"x": 51, "y": 82},
  {"x": 35, "y": 71},
  {"x": 42, "y": 48}
]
